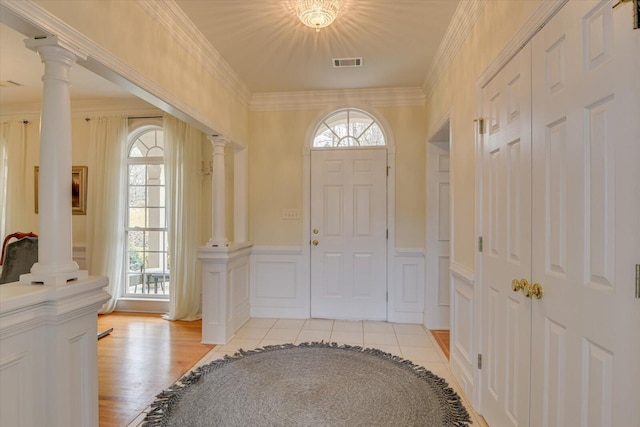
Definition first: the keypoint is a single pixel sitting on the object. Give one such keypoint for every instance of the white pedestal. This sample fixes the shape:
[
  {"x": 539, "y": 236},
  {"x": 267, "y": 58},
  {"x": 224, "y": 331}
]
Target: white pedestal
[
  {"x": 225, "y": 291},
  {"x": 48, "y": 353}
]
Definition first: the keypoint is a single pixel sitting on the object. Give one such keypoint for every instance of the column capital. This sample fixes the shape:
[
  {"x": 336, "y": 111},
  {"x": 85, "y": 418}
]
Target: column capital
[
  {"x": 38, "y": 45},
  {"x": 218, "y": 140}
]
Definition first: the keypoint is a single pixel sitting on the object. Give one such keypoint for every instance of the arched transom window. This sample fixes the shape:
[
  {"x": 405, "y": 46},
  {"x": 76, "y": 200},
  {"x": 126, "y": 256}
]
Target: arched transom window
[{"x": 348, "y": 128}]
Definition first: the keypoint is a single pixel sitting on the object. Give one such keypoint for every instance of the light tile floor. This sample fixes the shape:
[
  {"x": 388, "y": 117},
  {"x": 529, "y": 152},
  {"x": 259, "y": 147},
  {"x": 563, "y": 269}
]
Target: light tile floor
[{"x": 412, "y": 342}]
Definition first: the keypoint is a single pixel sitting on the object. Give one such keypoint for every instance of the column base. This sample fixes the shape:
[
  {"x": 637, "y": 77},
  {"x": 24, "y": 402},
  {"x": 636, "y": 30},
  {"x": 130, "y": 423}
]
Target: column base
[
  {"x": 218, "y": 243},
  {"x": 53, "y": 279}
]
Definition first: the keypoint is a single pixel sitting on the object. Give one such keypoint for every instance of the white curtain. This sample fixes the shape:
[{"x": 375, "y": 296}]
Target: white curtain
[
  {"x": 13, "y": 169},
  {"x": 105, "y": 203},
  {"x": 182, "y": 158}
]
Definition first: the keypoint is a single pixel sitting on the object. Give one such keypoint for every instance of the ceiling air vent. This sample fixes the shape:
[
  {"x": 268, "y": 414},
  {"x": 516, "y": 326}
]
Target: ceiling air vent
[
  {"x": 347, "y": 62},
  {"x": 9, "y": 83}
]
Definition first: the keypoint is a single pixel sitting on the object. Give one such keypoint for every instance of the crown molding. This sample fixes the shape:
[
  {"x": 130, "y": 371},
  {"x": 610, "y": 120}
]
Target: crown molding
[
  {"x": 84, "y": 108},
  {"x": 382, "y": 97},
  {"x": 183, "y": 29},
  {"x": 459, "y": 28}
]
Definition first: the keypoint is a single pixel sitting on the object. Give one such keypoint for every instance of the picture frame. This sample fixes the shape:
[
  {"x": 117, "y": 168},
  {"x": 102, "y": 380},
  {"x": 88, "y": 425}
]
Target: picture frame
[{"x": 78, "y": 189}]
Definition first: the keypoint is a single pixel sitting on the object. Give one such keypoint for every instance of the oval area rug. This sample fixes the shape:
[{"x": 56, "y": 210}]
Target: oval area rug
[{"x": 311, "y": 384}]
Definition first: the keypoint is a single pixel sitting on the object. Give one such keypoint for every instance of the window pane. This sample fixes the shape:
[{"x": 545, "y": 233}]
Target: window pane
[
  {"x": 155, "y": 196},
  {"x": 349, "y": 128},
  {"x": 137, "y": 174},
  {"x": 137, "y": 217},
  {"x": 136, "y": 150},
  {"x": 155, "y": 174},
  {"x": 137, "y": 196},
  {"x": 373, "y": 136},
  {"x": 348, "y": 142},
  {"x": 136, "y": 261},
  {"x": 155, "y": 218},
  {"x": 155, "y": 152}
]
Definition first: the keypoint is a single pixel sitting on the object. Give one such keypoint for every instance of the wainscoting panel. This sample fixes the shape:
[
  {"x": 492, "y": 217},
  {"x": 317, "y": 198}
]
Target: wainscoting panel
[
  {"x": 48, "y": 353},
  {"x": 225, "y": 291},
  {"x": 463, "y": 351},
  {"x": 239, "y": 281},
  {"x": 406, "y": 293},
  {"x": 280, "y": 285},
  {"x": 16, "y": 384}
]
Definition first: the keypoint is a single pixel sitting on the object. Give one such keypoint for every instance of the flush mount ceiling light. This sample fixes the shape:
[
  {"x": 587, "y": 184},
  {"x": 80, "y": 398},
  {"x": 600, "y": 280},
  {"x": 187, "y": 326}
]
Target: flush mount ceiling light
[{"x": 317, "y": 13}]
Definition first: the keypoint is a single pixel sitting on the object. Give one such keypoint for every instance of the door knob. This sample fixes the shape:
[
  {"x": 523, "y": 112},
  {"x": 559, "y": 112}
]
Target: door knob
[
  {"x": 520, "y": 285},
  {"x": 516, "y": 285},
  {"x": 536, "y": 290},
  {"x": 314, "y": 243}
]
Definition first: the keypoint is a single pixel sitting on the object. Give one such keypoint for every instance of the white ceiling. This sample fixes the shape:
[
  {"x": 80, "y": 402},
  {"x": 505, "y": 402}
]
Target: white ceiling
[{"x": 271, "y": 51}]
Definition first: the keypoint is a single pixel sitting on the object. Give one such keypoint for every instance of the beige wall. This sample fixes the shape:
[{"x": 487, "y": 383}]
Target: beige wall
[
  {"x": 277, "y": 139},
  {"x": 80, "y": 156},
  {"x": 456, "y": 91}
]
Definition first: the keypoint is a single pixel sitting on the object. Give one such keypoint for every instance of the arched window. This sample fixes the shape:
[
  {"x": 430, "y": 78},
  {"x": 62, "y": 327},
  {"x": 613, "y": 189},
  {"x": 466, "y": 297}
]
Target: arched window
[
  {"x": 146, "y": 226},
  {"x": 348, "y": 128}
]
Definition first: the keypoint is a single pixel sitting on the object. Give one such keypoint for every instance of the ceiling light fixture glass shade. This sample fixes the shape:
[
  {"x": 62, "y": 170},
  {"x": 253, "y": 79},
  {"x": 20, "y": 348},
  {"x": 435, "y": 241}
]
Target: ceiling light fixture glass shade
[{"x": 317, "y": 13}]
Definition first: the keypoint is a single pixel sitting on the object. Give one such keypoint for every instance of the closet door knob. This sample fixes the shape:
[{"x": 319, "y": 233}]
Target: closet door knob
[{"x": 536, "y": 290}]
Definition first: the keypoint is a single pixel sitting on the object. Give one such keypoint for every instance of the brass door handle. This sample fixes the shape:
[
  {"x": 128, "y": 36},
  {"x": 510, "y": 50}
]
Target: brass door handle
[
  {"x": 528, "y": 290},
  {"x": 516, "y": 285},
  {"x": 314, "y": 243},
  {"x": 536, "y": 290},
  {"x": 520, "y": 285}
]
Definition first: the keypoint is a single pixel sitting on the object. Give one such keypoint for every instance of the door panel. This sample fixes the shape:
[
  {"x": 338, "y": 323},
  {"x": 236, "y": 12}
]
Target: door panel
[
  {"x": 584, "y": 336},
  {"x": 349, "y": 224},
  {"x": 438, "y": 294},
  {"x": 507, "y": 236}
]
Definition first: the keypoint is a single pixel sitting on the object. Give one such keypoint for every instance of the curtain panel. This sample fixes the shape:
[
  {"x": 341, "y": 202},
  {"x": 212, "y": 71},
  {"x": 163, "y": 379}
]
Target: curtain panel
[
  {"x": 105, "y": 203},
  {"x": 13, "y": 170},
  {"x": 182, "y": 157}
]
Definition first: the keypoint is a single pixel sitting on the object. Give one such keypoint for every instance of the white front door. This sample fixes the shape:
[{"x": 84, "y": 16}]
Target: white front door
[
  {"x": 437, "y": 256},
  {"x": 349, "y": 234},
  {"x": 506, "y": 256},
  {"x": 586, "y": 158}
]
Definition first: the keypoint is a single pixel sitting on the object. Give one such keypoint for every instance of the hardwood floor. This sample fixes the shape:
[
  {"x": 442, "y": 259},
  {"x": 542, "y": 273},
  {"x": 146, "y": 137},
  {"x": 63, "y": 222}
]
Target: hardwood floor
[
  {"x": 141, "y": 357},
  {"x": 442, "y": 337}
]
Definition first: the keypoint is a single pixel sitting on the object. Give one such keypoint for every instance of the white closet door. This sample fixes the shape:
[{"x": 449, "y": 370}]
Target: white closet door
[
  {"x": 586, "y": 139},
  {"x": 438, "y": 293},
  {"x": 506, "y": 255},
  {"x": 349, "y": 234}
]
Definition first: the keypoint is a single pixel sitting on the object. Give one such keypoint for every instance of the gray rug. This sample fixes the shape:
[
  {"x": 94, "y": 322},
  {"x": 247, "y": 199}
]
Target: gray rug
[{"x": 317, "y": 384}]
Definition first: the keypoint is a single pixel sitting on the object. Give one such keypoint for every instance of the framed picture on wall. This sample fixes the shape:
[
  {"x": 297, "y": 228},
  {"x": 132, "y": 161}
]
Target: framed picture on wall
[{"x": 78, "y": 189}]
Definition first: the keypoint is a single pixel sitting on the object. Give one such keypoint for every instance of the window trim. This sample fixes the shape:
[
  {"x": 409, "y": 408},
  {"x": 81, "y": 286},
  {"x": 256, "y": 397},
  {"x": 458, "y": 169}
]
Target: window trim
[
  {"x": 133, "y": 136},
  {"x": 347, "y": 110}
]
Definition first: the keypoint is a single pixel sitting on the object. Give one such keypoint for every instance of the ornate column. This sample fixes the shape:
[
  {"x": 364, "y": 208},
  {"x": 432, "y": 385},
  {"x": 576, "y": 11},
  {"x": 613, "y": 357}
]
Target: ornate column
[
  {"x": 218, "y": 221},
  {"x": 55, "y": 248}
]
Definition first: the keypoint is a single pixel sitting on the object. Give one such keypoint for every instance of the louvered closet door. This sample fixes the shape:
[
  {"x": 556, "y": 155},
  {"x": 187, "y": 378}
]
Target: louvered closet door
[
  {"x": 506, "y": 255},
  {"x": 586, "y": 139}
]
